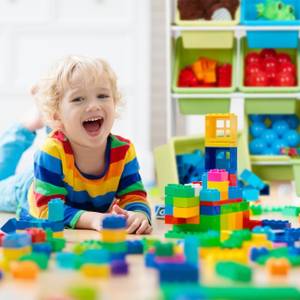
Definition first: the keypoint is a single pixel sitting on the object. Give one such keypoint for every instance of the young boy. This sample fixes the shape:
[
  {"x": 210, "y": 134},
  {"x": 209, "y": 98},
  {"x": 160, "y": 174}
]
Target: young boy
[{"x": 81, "y": 162}]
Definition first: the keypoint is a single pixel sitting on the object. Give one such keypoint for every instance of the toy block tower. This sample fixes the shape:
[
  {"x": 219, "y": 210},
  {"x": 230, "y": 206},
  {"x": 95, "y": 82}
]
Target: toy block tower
[{"x": 221, "y": 205}]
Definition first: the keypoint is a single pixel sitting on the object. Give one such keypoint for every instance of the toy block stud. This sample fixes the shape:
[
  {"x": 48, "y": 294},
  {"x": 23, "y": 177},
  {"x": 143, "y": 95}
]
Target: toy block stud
[
  {"x": 217, "y": 175},
  {"x": 114, "y": 222}
]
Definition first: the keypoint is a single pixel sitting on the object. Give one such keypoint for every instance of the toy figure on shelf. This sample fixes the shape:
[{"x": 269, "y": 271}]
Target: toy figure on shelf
[{"x": 275, "y": 10}]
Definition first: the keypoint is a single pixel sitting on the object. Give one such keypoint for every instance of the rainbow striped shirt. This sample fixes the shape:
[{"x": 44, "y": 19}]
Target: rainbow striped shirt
[{"x": 56, "y": 176}]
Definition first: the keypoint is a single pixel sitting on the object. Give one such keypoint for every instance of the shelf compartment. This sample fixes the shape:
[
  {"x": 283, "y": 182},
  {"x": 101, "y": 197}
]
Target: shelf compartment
[
  {"x": 295, "y": 57},
  {"x": 205, "y": 38},
  {"x": 186, "y": 56},
  {"x": 269, "y": 39}
]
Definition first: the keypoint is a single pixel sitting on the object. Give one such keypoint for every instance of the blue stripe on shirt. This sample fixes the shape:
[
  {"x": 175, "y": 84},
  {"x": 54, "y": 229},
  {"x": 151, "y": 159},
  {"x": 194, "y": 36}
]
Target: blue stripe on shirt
[
  {"x": 47, "y": 176},
  {"x": 49, "y": 162}
]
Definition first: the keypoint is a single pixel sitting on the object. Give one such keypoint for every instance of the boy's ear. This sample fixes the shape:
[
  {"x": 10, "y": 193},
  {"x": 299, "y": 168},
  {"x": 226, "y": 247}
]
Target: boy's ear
[{"x": 56, "y": 121}]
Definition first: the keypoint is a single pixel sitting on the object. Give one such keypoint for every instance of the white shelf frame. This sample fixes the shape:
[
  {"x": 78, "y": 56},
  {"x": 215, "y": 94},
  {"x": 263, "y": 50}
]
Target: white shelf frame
[{"x": 240, "y": 31}]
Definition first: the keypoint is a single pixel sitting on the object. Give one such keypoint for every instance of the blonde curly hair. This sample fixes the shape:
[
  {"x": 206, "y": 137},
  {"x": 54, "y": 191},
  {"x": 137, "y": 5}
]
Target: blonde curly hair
[{"x": 49, "y": 91}]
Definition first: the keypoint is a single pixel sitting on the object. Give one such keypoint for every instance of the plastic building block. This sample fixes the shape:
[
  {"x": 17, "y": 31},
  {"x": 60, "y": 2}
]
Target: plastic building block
[
  {"x": 265, "y": 191},
  {"x": 255, "y": 253},
  {"x": 169, "y": 209},
  {"x": 276, "y": 224},
  {"x": 24, "y": 270},
  {"x": 115, "y": 247},
  {"x": 2, "y": 234},
  {"x": 278, "y": 266},
  {"x": 178, "y": 190},
  {"x": 177, "y": 258},
  {"x": 88, "y": 244},
  {"x": 10, "y": 226},
  {"x": 114, "y": 222},
  {"x": 16, "y": 240},
  {"x": 37, "y": 235},
  {"x": 250, "y": 194},
  {"x": 292, "y": 211},
  {"x": 56, "y": 210},
  {"x": 119, "y": 267},
  {"x": 68, "y": 260},
  {"x": 95, "y": 270},
  {"x": 57, "y": 244},
  {"x": 232, "y": 180},
  {"x": 251, "y": 179},
  {"x": 217, "y": 175},
  {"x": 164, "y": 249},
  {"x": 113, "y": 235},
  {"x": 210, "y": 195},
  {"x": 191, "y": 250},
  {"x": 185, "y": 202},
  {"x": 95, "y": 256},
  {"x": 186, "y": 212},
  {"x": 220, "y": 130},
  {"x": 135, "y": 247},
  {"x": 159, "y": 211},
  {"x": 173, "y": 220},
  {"x": 150, "y": 260},
  {"x": 210, "y": 210},
  {"x": 234, "y": 271},
  {"x": 39, "y": 258},
  {"x": 234, "y": 193},
  {"x": 218, "y": 185},
  {"x": 178, "y": 273},
  {"x": 82, "y": 292}
]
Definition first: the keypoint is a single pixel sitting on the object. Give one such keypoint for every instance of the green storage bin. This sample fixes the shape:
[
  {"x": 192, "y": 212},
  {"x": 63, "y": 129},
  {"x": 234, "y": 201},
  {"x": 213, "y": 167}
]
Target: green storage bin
[
  {"x": 165, "y": 157},
  {"x": 294, "y": 53},
  {"x": 191, "y": 106},
  {"x": 185, "y": 57},
  {"x": 206, "y": 38}
]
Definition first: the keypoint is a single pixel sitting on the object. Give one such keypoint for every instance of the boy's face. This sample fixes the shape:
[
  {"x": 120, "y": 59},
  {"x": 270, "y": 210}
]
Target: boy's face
[{"x": 87, "y": 111}]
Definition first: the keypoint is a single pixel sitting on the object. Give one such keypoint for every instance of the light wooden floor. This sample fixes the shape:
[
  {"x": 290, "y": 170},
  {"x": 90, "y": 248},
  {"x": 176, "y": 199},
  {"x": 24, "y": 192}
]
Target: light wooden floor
[{"x": 141, "y": 283}]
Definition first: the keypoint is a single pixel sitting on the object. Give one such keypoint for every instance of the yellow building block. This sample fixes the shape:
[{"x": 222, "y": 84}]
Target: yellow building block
[
  {"x": 206, "y": 251},
  {"x": 237, "y": 255},
  {"x": 224, "y": 195},
  {"x": 113, "y": 236},
  {"x": 58, "y": 234},
  {"x": 225, "y": 234},
  {"x": 247, "y": 245},
  {"x": 186, "y": 212},
  {"x": 93, "y": 270},
  {"x": 218, "y": 185},
  {"x": 221, "y": 130},
  {"x": 15, "y": 253}
]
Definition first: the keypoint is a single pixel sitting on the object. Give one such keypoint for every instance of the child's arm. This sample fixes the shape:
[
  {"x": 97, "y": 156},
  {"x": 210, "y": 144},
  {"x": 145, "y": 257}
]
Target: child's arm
[{"x": 133, "y": 197}]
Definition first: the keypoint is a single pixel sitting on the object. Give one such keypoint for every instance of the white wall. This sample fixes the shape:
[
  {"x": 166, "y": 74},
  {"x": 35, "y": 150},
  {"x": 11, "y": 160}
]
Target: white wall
[{"x": 33, "y": 34}]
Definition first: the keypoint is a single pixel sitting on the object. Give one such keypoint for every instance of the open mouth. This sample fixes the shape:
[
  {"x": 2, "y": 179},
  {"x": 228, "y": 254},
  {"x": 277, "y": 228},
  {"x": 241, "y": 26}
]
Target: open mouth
[{"x": 93, "y": 125}]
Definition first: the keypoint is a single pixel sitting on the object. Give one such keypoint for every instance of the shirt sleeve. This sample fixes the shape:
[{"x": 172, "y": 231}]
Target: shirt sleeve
[
  {"x": 48, "y": 184},
  {"x": 131, "y": 191}
]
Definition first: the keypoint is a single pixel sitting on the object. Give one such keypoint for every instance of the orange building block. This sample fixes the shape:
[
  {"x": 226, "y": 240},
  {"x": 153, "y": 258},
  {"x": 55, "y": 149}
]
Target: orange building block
[
  {"x": 113, "y": 236},
  {"x": 278, "y": 266},
  {"x": 24, "y": 269},
  {"x": 193, "y": 220}
]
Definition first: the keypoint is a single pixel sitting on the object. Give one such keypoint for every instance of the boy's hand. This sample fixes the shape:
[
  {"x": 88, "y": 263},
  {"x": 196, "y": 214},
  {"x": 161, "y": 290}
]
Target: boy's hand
[{"x": 136, "y": 222}]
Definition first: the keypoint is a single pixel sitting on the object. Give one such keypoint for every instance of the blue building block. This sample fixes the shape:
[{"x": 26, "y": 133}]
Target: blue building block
[
  {"x": 294, "y": 251},
  {"x": 159, "y": 211},
  {"x": 277, "y": 236},
  {"x": 114, "y": 222},
  {"x": 251, "y": 179},
  {"x": 150, "y": 260},
  {"x": 10, "y": 226},
  {"x": 204, "y": 180},
  {"x": 221, "y": 158},
  {"x": 169, "y": 210},
  {"x": 255, "y": 253},
  {"x": 191, "y": 252},
  {"x": 265, "y": 191},
  {"x": 210, "y": 210},
  {"x": 42, "y": 248},
  {"x": 16, "y": 240},
  {"x": 56, "y": 210},
  {"x": 135, "y": 247},
  {"x": 235, "y": 193},
  {"x": 95, "y": 256},
  {"x": 68, "y": 260},
  {"x": 276, "y": 224},
  {"x": 180, "y": 273},
  {"x": 250, "y": 194},
  {"x": 209, "y": 195}
]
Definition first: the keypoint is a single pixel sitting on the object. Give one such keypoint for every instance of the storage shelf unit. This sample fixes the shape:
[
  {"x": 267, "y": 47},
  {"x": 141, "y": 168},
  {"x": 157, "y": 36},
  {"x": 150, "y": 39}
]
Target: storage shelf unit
[{"x": 247, "y": 101}]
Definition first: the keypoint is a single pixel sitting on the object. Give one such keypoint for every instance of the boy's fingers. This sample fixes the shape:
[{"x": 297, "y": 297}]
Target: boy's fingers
[
  {"x": 133, "y": 227},
  {"x": 143, "y": 227},
  {"x": 119, "y": 211},
  {"x": 149, "y": 229}
]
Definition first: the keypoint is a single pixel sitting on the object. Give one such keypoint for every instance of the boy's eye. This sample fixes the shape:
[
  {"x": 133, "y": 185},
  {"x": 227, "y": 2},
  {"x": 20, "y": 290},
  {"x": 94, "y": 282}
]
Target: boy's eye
[
  {"x": 102, "y": 96},
  {"x": 78, "y": 99}
]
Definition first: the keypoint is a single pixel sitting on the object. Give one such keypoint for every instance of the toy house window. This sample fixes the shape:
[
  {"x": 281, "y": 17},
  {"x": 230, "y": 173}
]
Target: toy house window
[{"x": 223, "y": 128}]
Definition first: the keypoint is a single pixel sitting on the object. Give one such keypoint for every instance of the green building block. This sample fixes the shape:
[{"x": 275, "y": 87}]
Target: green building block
[
  {"x": 164, "y": 249},
  {"x": 82, "y": 292},
  {"x": 57, "y": 244},
  {"x": 186, "y": 202},
  {"x": 243, "y": 234},
  {"x": 178, "y": 190},
  {"x": 256, "y": 210},
  {"x": 40, "y": 259},
  {"x": 86, "y": 245},
  {"x": 210, "y": 223},
  {"x": 244, "y": 205},
  {"x": 232, "y": 242},
  {"x": 234, "y": 271},
  {"x": 115, "y": 247},
  {"x": 188, "y": 227},
  {"x": 291, "y": 211}
]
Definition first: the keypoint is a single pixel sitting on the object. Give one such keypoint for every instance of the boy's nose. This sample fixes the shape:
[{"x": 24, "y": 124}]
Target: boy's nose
[{"x": 93, "y": 106}]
